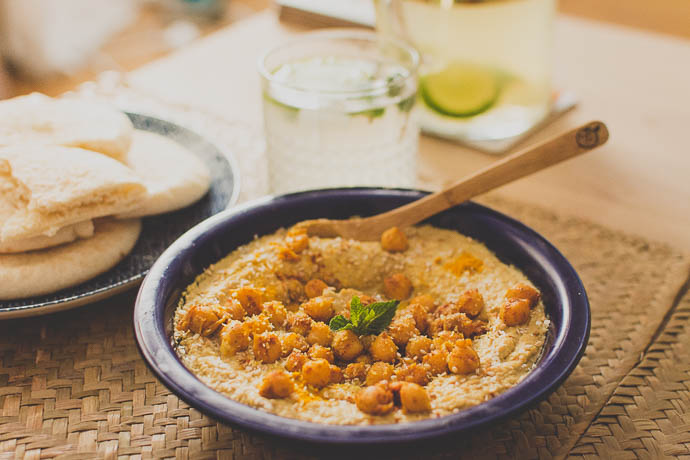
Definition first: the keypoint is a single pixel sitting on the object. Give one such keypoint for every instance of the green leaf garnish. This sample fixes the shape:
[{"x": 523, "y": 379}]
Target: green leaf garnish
[
  {"x": 406, "y": 104},
  {"x": 366, "y": 319},
  {"x": 356, "y": 310},
  {"x": 339, "y": 322},
  {"x": 383, "y": 315},
  {"x": 371, "y": 113}
]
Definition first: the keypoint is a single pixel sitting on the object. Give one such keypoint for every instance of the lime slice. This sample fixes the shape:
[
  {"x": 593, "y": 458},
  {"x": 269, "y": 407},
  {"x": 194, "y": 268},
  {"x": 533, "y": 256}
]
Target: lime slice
[{"x": 460, "y": 90}]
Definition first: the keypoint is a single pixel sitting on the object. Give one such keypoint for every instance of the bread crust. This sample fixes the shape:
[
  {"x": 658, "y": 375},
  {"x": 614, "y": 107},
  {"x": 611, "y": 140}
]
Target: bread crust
[{"x": 42, "y": 272}]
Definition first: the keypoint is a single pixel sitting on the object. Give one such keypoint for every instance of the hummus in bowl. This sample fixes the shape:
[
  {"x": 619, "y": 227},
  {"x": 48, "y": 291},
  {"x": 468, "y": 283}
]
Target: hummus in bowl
[
  {"x": 456, "y": 326},
  {"x": 200, "y": 272}
]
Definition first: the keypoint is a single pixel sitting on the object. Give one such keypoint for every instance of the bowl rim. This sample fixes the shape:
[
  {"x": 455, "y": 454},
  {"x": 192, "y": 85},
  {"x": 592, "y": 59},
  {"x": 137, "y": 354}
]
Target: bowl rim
[{"x": 156, "y": 347}]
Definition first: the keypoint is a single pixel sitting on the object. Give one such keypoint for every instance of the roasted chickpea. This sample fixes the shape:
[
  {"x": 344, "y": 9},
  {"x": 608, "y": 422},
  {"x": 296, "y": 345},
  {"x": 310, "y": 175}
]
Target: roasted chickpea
[
  {"x": 383, "y": 349},
  {"x": 297, "y": 243},
  {"x": 347, "y": 345},
  {"x": 314, "y": 288},
  {"x": 267, "y": 347},
  {"x": 367, "y": 340},
  {"x": 471, "y": 303},
  {"x": 365, "y": 359},
  {"x": 420, "y": 315},
  {"x": 445, "y": 340},
  {"x": 233, "y": 338},
  {"x": 402, "y": 329},
  {"x": 413, "y": 398},
  {"x": 336, "y": 374},
  {"x": 319, "y": 352},
  {"x": 462, "y": 323},
  {"x": 276, "y": 312},
  {"x": 287, "y": 254},
  {"x": 436, "y": 362},
  {"x": 235, "y": 310},
  {"x": 468, "y": 301},
  {"x": 317, "y": 373},
  {"x": 417, "y": 347},
  {"x": 523, "y": 291},
  {"x": 277, "y": 384},
  {"x": 397, "y": 286},
  {"x": 356, "y": 371},
  {"x": 366, "y": 299},
  {"x": 250, "y": 299},
  {"x": 378, "y": 372},
  {"x": 293, "y": 341},
  {"x": 203, "y": 319},
  {"x": 319, "y": 308},
  {"x": 474, "y": 328},
  {"x": 458, "y": 322},
  {"x": 394, "y": 240},
  {"x": 515, "y": 312},
  {"x": 295, "y": 290},
  {"x": 375, "y": 400},
  {"x": 412, "y": 372},
  {"x": 445, "y": 310},
  {"x": 320, "y": 334},
  {"x": 295, "y": 361},
  {"x": 463, "y": 359},
  {"x": 299, "y": 322},
  {"x": 258, "y": 324}
]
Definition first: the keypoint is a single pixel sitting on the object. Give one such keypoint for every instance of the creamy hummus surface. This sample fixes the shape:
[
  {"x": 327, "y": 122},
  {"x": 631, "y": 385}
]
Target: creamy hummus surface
[{"x": 255, "y": 326}]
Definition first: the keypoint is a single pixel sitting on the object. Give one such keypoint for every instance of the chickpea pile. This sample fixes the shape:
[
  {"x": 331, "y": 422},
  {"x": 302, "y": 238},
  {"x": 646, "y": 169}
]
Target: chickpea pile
[{"x": 393, "y": 367}]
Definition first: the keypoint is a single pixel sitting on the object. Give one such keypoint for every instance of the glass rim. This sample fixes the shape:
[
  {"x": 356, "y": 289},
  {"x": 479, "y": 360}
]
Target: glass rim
[{"x": 341, "y": 33}]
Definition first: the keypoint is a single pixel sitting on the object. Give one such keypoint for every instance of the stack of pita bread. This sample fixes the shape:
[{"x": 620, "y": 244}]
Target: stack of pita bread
[{"x": 75, "y": 177}]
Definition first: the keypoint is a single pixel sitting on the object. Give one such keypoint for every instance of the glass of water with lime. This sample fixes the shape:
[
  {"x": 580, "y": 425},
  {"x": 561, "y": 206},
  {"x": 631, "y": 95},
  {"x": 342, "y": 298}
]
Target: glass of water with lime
[
  {"x": 337, "y": 111},
  {"x": 486, "y": 64}
]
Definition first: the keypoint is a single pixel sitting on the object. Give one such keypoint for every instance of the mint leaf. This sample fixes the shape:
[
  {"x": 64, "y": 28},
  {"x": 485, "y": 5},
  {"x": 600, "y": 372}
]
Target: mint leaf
[
  {"x": 365, "y": 319},
  {"x": 339, "y": 322},
  {"x": 379, "y": 316},
  {"x": 356, "y": 310}
]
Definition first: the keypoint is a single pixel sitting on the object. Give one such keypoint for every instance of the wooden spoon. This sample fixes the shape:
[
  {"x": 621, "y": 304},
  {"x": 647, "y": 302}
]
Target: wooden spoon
[{"x": 515, "y": 166}]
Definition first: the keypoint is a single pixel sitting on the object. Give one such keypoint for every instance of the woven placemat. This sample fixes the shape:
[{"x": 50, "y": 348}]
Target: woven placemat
[
  {"x": 72, "y": 385},
  {"x": 648, "y": 415}
]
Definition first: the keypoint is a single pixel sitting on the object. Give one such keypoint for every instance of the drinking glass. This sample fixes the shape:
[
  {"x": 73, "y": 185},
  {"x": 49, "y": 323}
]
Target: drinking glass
[
  {"x": 486, "y": 64},
  {"x": 337, "y": 111}
]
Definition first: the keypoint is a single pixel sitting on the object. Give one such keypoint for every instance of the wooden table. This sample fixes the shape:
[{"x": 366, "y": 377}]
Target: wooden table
[
  {"x": 73, "y": 384},
  {"x": 637, "y": 82}
]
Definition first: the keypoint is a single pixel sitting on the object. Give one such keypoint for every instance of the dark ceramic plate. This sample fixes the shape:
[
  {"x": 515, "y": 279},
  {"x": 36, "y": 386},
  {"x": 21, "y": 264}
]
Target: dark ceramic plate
[
  {"x": 157, "y": 231},
  {"x": 564, "y": 297}
]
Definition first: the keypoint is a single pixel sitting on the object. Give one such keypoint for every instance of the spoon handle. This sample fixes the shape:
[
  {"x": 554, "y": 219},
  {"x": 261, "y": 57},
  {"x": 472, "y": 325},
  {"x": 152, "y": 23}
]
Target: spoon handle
[{"x": 515, "y": 166}]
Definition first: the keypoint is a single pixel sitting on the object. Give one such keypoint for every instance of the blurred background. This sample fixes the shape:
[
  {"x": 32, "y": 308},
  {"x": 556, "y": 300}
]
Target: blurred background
[{"x": 53, "y": 45}]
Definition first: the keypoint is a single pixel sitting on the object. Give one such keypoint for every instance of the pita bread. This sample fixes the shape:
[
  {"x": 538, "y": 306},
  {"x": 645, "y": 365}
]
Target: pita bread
[
  {"x": 43, "y": 272},
  {"x": 74, "y": 123},
  {"x": 63, "y": 236},
  {"x": 173, "y": 176},
  {"x": 13, "y": 194},
  {"x": 47, "y": 187}
]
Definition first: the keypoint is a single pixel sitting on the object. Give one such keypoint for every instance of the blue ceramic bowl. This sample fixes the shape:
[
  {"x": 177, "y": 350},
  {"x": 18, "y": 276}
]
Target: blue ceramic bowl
[{"x": 563, "y": 294}]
